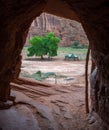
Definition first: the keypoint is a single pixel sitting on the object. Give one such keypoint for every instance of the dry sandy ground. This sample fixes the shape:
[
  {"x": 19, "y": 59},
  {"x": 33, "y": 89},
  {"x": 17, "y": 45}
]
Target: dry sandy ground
[
  {"x": 48, "y": 106},
  {"x": 72, "y": 70}
]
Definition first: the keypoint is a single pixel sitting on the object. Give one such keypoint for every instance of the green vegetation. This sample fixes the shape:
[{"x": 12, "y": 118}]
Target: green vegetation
[
  {"x": 43, "y": 45},
  {"x": 39, "y": 75},
  {"x": 77, "y": 45},
  {"x": 42, "y": 76},
  {"x": 62, "y": 51},
  {"x": 81, "y": 53}
]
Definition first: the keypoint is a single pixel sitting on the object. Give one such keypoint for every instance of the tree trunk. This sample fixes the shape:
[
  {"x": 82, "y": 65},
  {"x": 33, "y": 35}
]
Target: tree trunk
[{"x": 42, "y": 57}]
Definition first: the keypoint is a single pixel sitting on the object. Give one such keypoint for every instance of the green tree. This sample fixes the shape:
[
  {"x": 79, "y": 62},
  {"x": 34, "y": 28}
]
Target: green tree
[
  {"x": 43, "y": 45},
  {"x": 51, "y": 44}
]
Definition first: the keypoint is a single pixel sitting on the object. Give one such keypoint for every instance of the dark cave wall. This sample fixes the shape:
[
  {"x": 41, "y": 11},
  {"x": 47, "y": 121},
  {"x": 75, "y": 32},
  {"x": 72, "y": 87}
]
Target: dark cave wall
[
  {"x": 15, "y": 19},
  {"x": 94, "y": 16}
]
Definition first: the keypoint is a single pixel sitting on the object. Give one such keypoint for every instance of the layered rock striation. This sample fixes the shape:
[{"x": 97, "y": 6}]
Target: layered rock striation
[{"x": 68, "y": 30}]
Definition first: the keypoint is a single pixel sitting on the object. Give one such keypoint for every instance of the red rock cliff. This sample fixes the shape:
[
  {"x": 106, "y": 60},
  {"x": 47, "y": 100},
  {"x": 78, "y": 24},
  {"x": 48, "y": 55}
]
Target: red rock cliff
[{"x": 68, "y": 30}]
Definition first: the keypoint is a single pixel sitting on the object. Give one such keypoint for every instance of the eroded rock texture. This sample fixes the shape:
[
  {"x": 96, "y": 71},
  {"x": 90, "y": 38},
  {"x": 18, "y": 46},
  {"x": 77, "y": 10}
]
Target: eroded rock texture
[
  {"x": 68, "y": 30},
  {"x": 15, "y": 19}
]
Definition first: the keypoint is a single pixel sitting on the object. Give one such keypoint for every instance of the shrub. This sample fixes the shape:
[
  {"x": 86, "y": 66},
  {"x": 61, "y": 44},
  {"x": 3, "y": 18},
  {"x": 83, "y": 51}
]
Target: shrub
[{"x": 76, "y": 45}]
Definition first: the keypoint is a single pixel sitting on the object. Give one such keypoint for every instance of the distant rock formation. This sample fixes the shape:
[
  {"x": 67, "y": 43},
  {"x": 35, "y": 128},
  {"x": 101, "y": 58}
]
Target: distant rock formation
[{"x": 68, "y": 30}]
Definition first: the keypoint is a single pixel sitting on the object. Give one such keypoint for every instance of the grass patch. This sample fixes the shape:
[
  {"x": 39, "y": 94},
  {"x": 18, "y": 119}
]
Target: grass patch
[
  {"x": 81, "y": 53},
  {"x": 62, "y": 51}
]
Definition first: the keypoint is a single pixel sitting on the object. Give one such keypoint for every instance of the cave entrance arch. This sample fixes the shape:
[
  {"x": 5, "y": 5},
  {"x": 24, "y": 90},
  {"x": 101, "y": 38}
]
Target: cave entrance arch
[
  {"x": 17, "y": 32},
  {"x": 68, "y": 31},
  {"x": 62, "y": 58},
  {"x": 20, "y": 33}
]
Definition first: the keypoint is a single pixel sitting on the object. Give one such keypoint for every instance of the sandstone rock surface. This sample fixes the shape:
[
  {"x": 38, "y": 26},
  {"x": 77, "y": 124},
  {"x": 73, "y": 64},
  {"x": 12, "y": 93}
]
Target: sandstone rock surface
[{"x": 68, "y": 30}]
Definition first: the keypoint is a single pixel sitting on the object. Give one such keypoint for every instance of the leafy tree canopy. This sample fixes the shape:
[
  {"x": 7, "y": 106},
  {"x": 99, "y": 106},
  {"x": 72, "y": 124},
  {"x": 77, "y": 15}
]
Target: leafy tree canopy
[{"x": 43, "y": 45}]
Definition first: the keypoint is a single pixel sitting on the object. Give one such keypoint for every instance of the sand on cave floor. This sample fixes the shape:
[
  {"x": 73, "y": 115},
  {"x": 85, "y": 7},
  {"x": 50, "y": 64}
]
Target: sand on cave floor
[
  {"x": 48, "y": 105},
  {"x": 68, "y": 72}
]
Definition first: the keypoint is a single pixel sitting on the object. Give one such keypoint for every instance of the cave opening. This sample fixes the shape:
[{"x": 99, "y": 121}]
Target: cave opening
[
  {"x": 66, "y": 94},
  {"x": 72, "y": 72},
  {"x": 59, "y": 70}
]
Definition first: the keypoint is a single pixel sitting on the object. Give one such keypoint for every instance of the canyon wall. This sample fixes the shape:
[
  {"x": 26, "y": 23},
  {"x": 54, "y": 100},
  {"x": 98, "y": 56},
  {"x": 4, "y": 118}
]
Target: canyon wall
[{"x": 68, "y": 30}]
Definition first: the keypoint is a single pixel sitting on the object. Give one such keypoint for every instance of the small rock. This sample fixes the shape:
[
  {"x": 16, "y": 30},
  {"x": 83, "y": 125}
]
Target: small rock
[
  {"x": 62, "y": 101},
  {"x": 53, "y": 101},
  {"x": 63, "y": 125},
  {"x": 60, "y": 104},
  {"x": 57, "y": 111},
  {"x": 63, "y": 109},
  {"x": 91, "y": 120},
  {"x": 12, "y": 97},
  {"x": 6, "y": 105},
  {"x": 67, "y": 115}
]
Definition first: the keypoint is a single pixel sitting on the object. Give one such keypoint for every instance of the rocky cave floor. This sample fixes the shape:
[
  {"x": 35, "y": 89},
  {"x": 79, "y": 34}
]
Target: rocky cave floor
[{"x": 46, "y": 105}]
